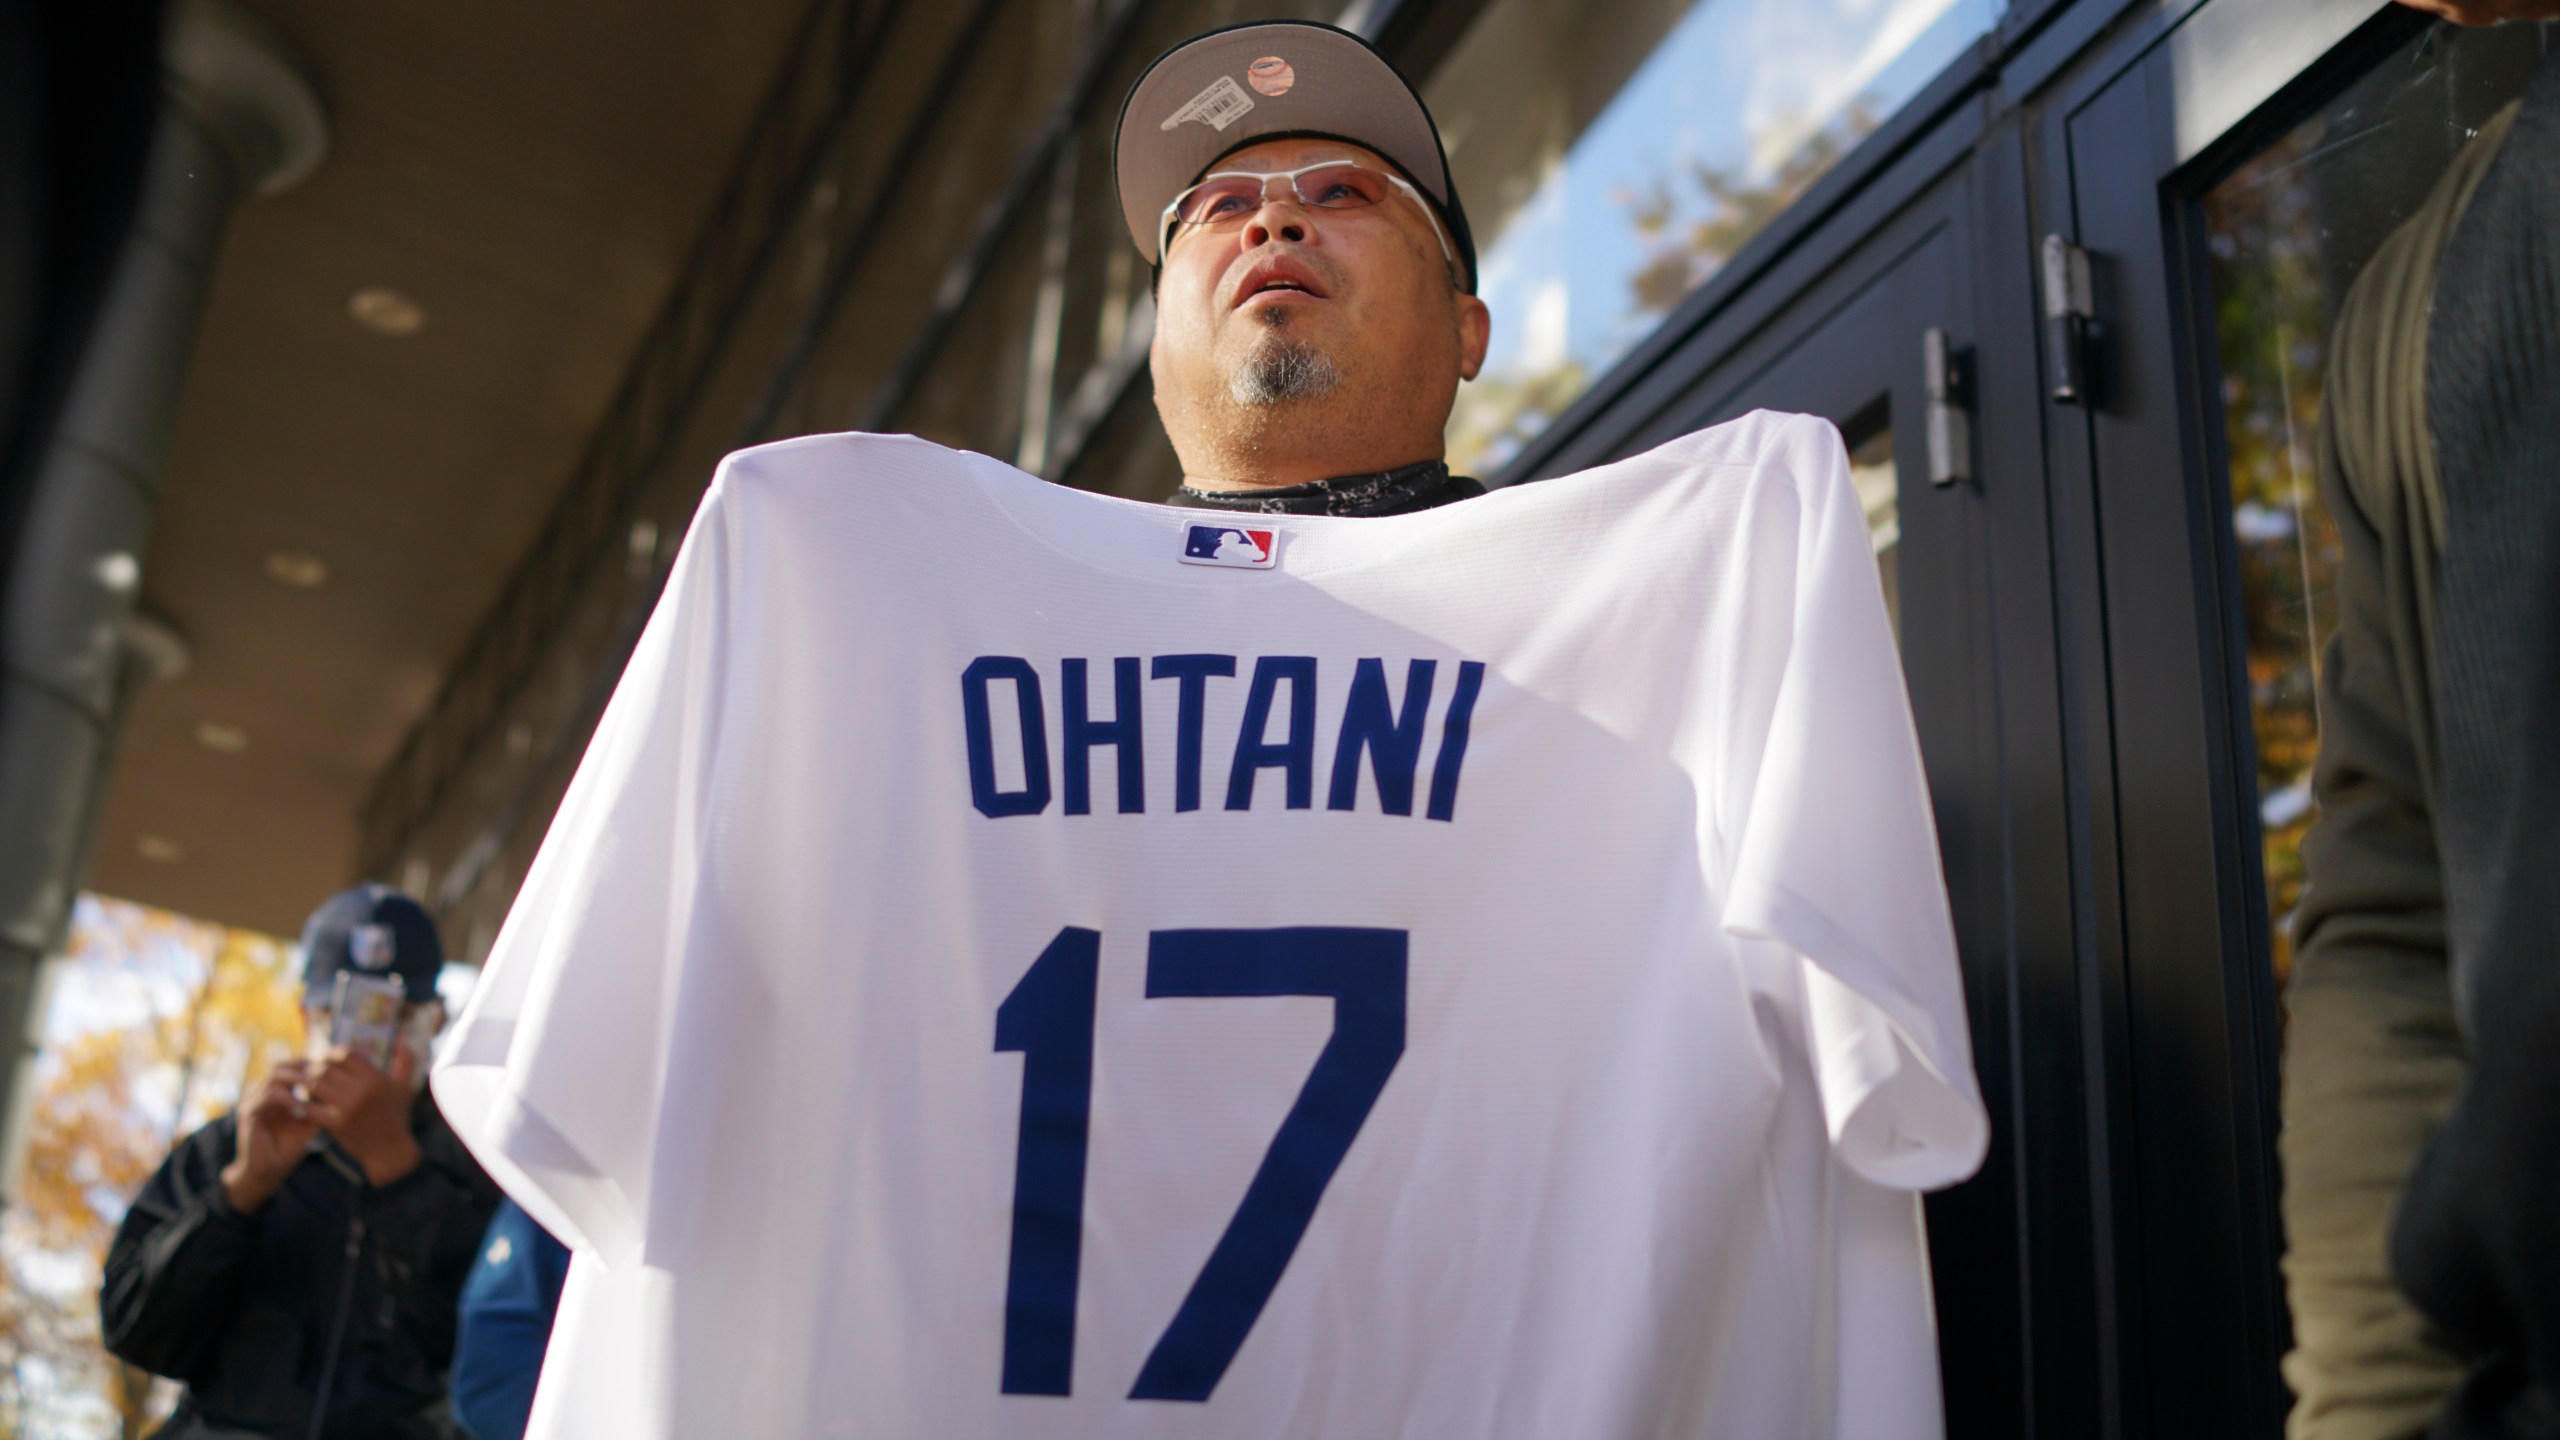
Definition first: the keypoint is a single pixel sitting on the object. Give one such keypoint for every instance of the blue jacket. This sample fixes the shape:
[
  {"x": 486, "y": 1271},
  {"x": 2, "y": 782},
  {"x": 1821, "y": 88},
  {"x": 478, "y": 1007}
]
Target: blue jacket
[{"x": 507, "y": 1304}]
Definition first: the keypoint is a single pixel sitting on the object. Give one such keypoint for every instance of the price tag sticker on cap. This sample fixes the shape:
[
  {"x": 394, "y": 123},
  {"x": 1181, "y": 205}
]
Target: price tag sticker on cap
[{"x": 1222, "y": 104}]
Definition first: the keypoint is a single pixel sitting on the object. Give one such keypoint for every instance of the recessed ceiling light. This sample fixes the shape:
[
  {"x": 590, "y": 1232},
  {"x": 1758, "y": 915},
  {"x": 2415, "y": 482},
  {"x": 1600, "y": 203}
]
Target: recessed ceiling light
[
  {"x": 298, "y": 568},
  {"x": 160, "y": 849},
  {"x": 229, "y": 739},
  {"x": 118, "y": 572},
  {"x": 386, "y": 311}
]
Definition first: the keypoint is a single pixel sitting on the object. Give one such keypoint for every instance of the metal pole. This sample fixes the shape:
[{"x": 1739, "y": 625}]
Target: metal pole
[{"x": 238, "y": 118}]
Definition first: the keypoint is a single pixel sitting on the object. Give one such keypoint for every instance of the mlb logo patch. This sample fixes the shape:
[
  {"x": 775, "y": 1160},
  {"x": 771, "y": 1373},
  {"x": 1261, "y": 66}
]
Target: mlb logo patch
[{"x": 1230, "y": 545}]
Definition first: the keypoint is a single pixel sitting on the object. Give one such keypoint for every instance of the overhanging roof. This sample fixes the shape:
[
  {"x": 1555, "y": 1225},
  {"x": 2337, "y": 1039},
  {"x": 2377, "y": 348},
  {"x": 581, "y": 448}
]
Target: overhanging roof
[{"x": 531, "y": 177}]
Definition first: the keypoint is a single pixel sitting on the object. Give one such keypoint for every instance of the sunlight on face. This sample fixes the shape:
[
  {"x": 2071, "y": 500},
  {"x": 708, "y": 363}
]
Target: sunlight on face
[{"x": 1325, "y": 340}]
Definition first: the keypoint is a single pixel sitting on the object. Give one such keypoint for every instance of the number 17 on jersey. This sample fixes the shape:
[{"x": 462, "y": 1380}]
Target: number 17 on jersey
[{"x": 1049, "y": 1020}]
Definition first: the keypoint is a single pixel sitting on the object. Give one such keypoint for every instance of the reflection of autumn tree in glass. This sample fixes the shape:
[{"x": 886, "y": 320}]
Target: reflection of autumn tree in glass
[
  {"x": 198, "y": 1011},
  {"x": 2272, "y": 325},
  {"x": 1687, "y": 237},
  {"x": 1686, "y": 245},
  {"x": 1498, "y": 414}
]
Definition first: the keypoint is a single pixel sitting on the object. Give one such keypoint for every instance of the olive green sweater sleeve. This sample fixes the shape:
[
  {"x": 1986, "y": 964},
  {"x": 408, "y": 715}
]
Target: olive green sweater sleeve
[{"x": 2372, "y": 1054}]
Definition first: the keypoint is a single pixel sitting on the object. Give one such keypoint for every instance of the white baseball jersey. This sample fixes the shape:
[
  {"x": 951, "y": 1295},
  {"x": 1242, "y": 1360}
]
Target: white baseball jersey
[{"x": 1020, "y": 963}]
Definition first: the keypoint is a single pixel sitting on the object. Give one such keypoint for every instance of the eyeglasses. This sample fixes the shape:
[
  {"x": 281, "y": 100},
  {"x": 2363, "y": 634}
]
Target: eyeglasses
[{"x": 1223, "y": 200}]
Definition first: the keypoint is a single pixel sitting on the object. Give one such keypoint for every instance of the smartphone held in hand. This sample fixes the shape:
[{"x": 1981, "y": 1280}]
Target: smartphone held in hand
[{"x": 366, "y": 1018}]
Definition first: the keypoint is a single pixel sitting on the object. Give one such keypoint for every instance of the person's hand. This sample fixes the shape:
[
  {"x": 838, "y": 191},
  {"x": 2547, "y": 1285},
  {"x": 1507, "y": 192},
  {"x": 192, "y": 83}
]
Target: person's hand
[
  {"x": 2488, "y": 12},
  {"x": 368, "y": 1110},
  {"x": 275, "y": 1131}
]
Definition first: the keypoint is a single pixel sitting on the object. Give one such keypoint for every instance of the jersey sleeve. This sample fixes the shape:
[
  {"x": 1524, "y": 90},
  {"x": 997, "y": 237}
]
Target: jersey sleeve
[
  {"x": 555, "y": 1072},
  {"x": 1837, "y": 857}
]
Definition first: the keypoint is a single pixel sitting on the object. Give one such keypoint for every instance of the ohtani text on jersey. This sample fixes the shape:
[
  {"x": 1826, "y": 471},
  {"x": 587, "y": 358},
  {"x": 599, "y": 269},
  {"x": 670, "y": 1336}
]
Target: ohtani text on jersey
[{"x": 1388, "y": 734}]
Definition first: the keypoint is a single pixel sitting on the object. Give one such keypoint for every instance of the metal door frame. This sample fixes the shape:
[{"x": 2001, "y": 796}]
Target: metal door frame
[{"x": 2165, "y": 832}]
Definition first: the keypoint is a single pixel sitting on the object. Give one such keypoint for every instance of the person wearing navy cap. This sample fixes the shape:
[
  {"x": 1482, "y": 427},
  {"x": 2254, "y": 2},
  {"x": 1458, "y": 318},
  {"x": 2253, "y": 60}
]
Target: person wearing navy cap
[{"x": 296, "y": 1263}]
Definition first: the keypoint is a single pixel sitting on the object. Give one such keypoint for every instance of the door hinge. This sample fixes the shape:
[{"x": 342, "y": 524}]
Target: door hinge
[
  {"x": 2067, "y": 313},
  {"x": 1950, "y": 408}
]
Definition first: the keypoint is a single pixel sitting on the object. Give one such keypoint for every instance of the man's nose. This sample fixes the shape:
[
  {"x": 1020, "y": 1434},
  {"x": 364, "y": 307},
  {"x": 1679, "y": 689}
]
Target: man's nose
[{"x": 1281, "y": 217}]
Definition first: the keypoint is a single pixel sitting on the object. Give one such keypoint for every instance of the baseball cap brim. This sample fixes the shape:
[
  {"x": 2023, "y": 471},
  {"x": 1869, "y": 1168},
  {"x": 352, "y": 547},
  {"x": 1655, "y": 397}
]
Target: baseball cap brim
[{"x": 1215, "y": 93}]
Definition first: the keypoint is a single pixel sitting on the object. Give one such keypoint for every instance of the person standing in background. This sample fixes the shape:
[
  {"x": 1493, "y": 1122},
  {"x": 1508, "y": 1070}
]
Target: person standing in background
[
  {"x": 296, "y": 1263},
  {"x": 2422, "y": 1069}
]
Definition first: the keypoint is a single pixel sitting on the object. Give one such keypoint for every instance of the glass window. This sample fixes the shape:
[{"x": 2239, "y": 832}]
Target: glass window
[
  {"x": 969, "y": 395},
  {"x": 1614, "y": 155},
  {"x": 2286, "y": 235},
  {"x": 1871, "y": 473}
]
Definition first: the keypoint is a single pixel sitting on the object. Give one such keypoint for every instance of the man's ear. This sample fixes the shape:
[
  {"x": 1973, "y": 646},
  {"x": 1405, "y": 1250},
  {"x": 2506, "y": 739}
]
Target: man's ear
[{"x": 1475, "y": 332}]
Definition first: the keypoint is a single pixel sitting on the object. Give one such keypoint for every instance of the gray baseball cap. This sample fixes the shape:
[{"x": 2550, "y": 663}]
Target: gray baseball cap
[{"x": 1217, "y": 93}]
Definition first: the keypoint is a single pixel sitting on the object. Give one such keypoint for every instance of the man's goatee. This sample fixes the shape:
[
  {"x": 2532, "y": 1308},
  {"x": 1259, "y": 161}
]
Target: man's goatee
[{"x": 1282, "y": 371}]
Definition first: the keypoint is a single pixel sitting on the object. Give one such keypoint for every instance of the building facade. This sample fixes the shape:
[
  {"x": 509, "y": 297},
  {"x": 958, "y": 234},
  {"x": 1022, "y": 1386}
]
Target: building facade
[{"x": 2060, "y": 270}]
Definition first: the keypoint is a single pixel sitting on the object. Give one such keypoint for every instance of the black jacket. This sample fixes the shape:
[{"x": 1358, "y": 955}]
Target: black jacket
[{"x": 334, "y": 1294}]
